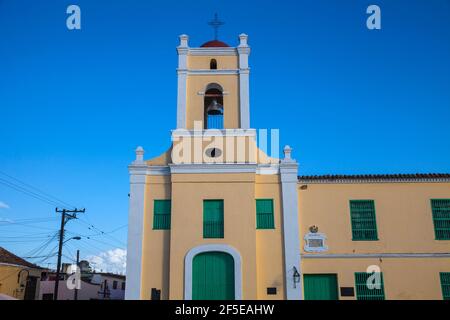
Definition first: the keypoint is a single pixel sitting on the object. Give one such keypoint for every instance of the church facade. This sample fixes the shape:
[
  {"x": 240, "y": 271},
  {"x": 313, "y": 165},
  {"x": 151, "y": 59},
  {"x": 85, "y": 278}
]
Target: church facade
[{"x": 215, "y": 217}]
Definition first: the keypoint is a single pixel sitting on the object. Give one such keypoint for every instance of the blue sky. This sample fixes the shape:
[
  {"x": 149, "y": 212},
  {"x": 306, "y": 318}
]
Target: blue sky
[{"x": 75, "y": 104}]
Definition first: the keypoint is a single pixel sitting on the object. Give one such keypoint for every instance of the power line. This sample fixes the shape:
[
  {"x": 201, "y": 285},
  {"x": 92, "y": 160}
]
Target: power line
[
  {"x": 41, "y": 247},
  {"x": 27, "y": 192},
  {"x": 107, "y": 234},
  {"x": 38, "y": 190},
  {"x": 25, "y": 222},
  {"x": 29, "y": 226}
]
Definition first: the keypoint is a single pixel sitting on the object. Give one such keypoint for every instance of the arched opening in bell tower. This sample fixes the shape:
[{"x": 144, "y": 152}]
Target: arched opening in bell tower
[
  {"x": 213, "y": 105},
  {"x": 213, "y": 64}
]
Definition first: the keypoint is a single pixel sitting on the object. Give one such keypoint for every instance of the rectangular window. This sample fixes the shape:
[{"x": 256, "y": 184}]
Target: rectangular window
[
  {"x": 123, "y": 285},
  {"x": 114, "y": 284},
  {"x": 445, "y": 285},
  {"x": 213, "y": 219},
  {"x": 161, "y": 214},
  {"x": 364, "y": 225},
  {"x": 364, "y": 289},
  {"x": 264, "y": 214},
  {"x": 441, "y": 218}
]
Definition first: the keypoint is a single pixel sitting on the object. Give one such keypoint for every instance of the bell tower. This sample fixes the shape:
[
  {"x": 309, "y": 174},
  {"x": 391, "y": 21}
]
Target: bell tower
[{"x": 213, "y": 85}]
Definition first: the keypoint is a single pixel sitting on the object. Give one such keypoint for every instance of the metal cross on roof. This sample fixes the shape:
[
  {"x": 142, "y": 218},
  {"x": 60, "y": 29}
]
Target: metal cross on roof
[{"x": 216, "y": 23}]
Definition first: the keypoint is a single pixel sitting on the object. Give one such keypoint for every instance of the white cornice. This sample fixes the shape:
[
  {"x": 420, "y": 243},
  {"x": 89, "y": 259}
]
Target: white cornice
[
  {"x": 214, "y": 132},
  {"x": 202, "y": 72},
  {"x": 269, "y": 169},
  {"x": 143, "y": 170},
  {"x": 213, "y": 51},
  {"x": 213, "y": 168},
  {"x": 148, "y": 170}
]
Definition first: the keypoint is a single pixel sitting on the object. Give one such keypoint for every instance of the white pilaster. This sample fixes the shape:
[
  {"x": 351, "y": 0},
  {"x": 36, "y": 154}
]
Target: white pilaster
[
  {"x": 137, "y": 172},
  {"x": 244, "y": 72},
  {"x": 182, "y": 72},
  {"x": 288, "y": 172}
]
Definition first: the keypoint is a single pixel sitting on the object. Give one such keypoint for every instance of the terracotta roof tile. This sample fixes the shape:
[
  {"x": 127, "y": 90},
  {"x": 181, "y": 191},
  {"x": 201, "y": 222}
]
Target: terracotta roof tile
[
  {"x": 10, "y": 258},
  {"x": 402, "y": 176},
  {"x": 214, "y": 43}
]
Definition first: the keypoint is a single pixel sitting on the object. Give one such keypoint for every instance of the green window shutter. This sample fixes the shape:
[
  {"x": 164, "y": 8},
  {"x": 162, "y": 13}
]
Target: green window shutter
[
  {"x": 363, "y": 292},
  {"x": 364, "y": 224},
  {"x": 264, "y": 214},
  {"x": 213, "y": 219},
  {"x": 445, "y": 285},
  {"x": 161, "y": 214},
  {"x": 441, "y": 218}
]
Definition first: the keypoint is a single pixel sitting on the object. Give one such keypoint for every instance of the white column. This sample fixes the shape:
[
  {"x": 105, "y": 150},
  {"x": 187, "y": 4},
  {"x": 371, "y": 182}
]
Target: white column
[
  {"x": 244, "y": 72},
  {"x": 288, "y": 172},
  {"x": 182, "y": 50},
  {"x": 137, "y": 172}
]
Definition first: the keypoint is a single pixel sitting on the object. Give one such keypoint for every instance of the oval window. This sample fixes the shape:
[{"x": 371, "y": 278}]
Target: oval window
[{"x": 213, "y": 152}]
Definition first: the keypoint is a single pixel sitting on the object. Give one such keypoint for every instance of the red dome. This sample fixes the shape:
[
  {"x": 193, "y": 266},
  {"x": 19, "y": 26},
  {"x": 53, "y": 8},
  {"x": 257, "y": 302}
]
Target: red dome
[{"x": 214, "y": 43}]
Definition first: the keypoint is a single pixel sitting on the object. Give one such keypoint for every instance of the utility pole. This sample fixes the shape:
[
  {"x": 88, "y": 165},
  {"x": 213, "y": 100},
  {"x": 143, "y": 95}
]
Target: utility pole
[
  {"x": 75, "y": 296},
  {"x": 69, "y": 214}
]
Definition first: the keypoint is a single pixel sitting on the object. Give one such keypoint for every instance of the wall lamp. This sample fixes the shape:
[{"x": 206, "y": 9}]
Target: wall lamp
[{"x": 296, "y": 277}]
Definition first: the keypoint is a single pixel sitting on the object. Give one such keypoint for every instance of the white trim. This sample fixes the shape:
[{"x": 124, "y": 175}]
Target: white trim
[
  {"x": 244, "y": 75},
  {"x": 214, "y": 132},
  {"x": 374, "y": 255},
  {"x": 202, "y": 93},
  {"x": 270, "y": 169},
  {"x": 150, "y": 170},
  {"x": 213, "y": 51},
  {"x": 213, "y": 168},
  {"x": 202, "y": 72},
  {"x": 135, "y": 232},
  {"x": 183, "y": 51},
  {"x": 288, "y": 172},
  {"x": 211, "y": 248},
  {"x": 315, "y": 236},
  {"x": 181, "y": 100}
]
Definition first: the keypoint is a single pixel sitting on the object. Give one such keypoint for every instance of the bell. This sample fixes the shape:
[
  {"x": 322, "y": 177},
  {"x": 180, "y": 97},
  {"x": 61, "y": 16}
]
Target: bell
[{"x": 214, "y": 108}]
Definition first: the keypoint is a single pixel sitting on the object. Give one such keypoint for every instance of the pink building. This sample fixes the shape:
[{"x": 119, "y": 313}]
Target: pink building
[{"x": 98, "y": 286}]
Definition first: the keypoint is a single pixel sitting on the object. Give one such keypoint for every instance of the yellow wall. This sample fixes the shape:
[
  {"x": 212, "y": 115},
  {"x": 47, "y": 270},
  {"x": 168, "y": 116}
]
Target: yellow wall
[
  {"x": 403, "y": 216},
  {"x": 235, "y": 149},
  {"x": 188, "y": 193},
  {"x": 156, "y": 243},
  {"x": 404, "y": 224},
  {"x": 9, "y": 276},
  {"x": 223, "y": 62},
  {"x": 195, "y": 101},
  {"x": 269, "y": 242},
  {"x": 164, "y": 250},
  {"x": 404, "y": 278}
]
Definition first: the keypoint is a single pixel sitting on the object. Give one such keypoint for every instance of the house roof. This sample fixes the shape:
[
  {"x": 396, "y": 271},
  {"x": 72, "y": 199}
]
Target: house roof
[
  {"x": 375, "y": 177},
  {"x": 10, "y": 258},
  {"x": 112, "y": 275}
]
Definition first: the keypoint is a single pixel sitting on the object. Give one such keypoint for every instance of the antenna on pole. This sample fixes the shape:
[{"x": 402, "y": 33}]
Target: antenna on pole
[{"x": 216, "y": 24}]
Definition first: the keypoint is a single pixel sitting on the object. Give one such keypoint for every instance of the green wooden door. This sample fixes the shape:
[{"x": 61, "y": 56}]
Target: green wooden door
[
  {"x": 320, "y": 286},
  {"x": 213, "y": 276}
]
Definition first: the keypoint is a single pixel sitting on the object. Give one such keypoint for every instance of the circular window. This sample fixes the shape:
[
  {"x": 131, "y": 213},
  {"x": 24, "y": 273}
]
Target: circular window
[{"x": 213, "y": 152}]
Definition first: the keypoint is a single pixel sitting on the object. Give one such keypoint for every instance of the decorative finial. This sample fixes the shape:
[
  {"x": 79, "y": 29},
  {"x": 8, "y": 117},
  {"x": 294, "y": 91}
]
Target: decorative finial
[
  {"x": 287, "y": 152},
  {"x": 215, "y": 24},
  {"x": 139, "y": 155}
]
